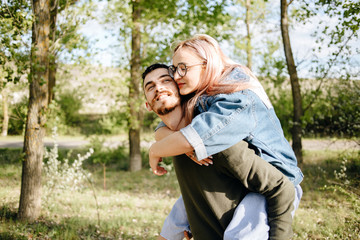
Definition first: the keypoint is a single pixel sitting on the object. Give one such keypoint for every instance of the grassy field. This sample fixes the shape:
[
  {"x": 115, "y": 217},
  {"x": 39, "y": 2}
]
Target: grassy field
[{"x": 134, "y": 205}]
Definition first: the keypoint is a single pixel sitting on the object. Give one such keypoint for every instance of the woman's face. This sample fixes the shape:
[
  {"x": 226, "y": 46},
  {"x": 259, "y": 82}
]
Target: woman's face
[{"x": 194, "y": 70}]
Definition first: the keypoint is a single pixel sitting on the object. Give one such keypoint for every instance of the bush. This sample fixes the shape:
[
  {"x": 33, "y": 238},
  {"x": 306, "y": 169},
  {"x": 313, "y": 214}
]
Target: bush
[
  {"x": 337, "y": 112},
  {"x": 115, "y": 122},
  {"x": 17, "y": 120},
  {"x": 70, "y": 104},
  {"x": 108, "y": 156},
  {"x": 63, "y": 174}
]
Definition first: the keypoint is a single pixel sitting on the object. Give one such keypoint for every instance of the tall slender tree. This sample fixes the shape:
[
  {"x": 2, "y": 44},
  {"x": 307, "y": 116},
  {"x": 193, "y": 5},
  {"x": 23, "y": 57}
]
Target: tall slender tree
[
  {"x": 30, "y": 196},
  {"x": 134, "y": 89},
  {"x": 295, "y": 85},
  {"x": 52, "y": 58}
]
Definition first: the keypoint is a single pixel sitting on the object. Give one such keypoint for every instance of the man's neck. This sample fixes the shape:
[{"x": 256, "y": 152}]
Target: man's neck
[{"x": 172, "y": 119}]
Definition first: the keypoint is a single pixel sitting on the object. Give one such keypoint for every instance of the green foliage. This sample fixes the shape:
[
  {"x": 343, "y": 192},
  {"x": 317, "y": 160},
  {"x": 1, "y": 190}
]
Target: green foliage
[
  {"x": 55, "y": 118},
  {"x": 117, "y": 156},
  {"x": 240, "y": 43},
  {"x": 70, "y": 103},
  {"x": 283, "y": 106},
  {"x": 70, "y": 44},
  {"x": 15, "y": 26},
  {"x": 339, "y": 35},
  {"x": 10, "y": 156},
  {"x": 112, "y": 123},
  {"x": 17, "y": 115},
  {"x": 179, "y": 18},
  {"x": 336, "y": 112},
  {"x": 151, "y": 120}
]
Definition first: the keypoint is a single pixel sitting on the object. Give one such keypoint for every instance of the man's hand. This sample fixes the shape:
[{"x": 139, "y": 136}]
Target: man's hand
[
  {"x": 205, "y": 161},
  {"x": 154, "y": 164}
]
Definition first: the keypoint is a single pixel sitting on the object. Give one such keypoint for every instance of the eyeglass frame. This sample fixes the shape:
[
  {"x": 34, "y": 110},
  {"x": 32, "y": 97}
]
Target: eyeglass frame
[{"x": 172, "y": 69}]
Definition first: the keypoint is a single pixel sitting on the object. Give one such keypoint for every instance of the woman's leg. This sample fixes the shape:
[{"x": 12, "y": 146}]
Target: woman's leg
[
  {"x": 250, "y": 217},
  {"x": 249, "y": 220},
  {"x": 176, "y": 222}
]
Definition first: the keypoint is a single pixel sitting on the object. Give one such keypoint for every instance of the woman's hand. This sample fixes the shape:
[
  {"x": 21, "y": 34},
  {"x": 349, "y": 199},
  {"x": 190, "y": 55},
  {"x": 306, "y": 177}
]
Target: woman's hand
[
  {"x": 154, "y": 163},
  {"x": 205, "y": 161}
]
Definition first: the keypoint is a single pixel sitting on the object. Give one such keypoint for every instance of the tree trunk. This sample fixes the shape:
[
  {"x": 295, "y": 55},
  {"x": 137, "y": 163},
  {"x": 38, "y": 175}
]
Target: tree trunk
[
  {"x": 5, "y": 124},
  {"x": 134, "y": 91},
  {"x": 30, "y": 196},
  {"x": 52, "y": 57},
  {"x": 248, "y": 36},
  {"x": 295, "y": 85}
]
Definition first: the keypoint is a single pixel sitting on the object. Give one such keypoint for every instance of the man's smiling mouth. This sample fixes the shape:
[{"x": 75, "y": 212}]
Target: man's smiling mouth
[{"x": 162, "y": 95}]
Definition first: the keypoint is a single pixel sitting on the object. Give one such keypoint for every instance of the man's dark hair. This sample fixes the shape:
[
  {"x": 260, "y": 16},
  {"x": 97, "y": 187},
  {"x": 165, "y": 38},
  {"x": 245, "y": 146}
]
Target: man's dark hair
[{"x": 152, "y": 68}]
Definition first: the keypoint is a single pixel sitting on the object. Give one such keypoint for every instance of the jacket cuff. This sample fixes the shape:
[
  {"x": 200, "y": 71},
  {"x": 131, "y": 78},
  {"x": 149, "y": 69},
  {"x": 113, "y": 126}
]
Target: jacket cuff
[{"x": 195, "y": 141}]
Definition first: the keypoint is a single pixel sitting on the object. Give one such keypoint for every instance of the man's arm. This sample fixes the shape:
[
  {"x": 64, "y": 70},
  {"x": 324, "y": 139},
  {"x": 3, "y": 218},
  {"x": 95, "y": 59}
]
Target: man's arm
[
  {"x": 259, "y": 176},
  {"x": 162, "y": 133},
  {"x": 172, "y": 145}
]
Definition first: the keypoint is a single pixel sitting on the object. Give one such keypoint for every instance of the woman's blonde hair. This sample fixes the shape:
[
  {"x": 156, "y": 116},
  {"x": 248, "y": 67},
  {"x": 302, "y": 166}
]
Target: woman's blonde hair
[{"x": 218, "y": 66}]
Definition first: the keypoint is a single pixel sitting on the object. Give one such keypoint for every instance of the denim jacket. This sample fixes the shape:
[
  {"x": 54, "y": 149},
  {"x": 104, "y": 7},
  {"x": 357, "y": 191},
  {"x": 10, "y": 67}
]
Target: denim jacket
[{"x": 223, "y": 120}]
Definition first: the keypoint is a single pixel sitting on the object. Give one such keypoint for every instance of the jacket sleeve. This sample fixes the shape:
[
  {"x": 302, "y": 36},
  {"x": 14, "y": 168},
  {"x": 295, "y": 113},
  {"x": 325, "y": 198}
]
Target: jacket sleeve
[
  {"x": 226, "y": 120},
  {"x": 259, "y": 176}
]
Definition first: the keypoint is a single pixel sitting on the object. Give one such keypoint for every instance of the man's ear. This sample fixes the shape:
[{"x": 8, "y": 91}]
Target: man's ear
[{"x": 148, "y": 106}]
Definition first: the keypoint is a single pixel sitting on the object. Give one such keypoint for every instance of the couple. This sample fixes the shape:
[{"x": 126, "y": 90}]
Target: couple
[{"x": 248, "y": 190}]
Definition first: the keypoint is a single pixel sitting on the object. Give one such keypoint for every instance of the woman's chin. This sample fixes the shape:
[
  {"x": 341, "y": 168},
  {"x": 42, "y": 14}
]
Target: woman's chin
[{"x": 185, "y": 92}]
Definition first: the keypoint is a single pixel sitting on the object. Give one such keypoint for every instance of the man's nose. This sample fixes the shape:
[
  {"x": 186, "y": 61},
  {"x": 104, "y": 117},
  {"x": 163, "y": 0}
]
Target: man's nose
[{"x": 159, "y": 87}]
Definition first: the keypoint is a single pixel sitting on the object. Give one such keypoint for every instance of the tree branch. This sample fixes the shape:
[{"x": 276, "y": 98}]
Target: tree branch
[{"x": 327, "y": 72}]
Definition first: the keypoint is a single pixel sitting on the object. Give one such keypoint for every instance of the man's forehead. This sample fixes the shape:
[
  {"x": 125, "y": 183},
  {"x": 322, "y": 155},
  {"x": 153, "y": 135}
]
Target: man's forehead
[{"x": 156, "y": 74}]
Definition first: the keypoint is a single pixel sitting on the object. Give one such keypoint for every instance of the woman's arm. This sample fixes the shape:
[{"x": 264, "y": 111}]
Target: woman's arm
[{"x": 163, "y": 132}]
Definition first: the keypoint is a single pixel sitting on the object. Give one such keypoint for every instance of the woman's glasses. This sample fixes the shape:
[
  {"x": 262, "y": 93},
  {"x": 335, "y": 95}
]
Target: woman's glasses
[{"x": 181, "y": 69}]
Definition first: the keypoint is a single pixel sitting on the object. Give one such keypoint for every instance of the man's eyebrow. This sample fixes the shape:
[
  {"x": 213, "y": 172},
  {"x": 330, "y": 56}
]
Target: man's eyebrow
[
  {"x": 149, "y": 82},
  {"x": 162, "y": 76}
]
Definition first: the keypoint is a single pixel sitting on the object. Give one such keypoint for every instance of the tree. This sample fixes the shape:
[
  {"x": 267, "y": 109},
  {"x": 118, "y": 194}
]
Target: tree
[
  {"x": 134, "y": 90},
  {"x": 64, "y": 34},
  {"x": 52, "y": 58},
  {"x": 295, "y": 85},
  {"x": 30, "y": 196}
]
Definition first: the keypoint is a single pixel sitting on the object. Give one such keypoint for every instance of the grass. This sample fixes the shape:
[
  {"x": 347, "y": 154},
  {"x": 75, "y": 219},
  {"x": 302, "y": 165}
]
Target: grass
[
  {"x": 329, "y": 208},
  {"x": 134, "y": 205}
]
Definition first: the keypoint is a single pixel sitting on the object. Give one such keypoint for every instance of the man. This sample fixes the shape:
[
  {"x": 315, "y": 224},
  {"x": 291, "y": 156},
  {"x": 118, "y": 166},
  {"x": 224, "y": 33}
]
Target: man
[{"x": 211, "y": 194}]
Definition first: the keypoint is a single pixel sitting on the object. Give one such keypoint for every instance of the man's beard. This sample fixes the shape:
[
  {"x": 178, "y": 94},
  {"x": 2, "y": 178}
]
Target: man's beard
[{"x": 163, "y": 111}]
